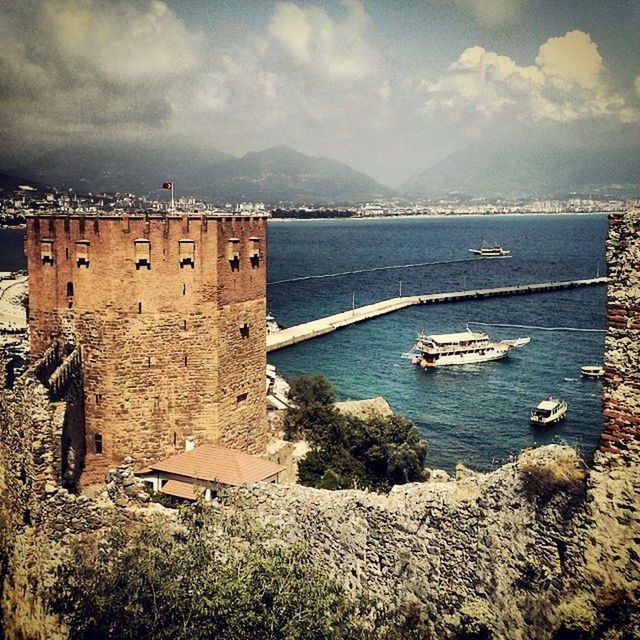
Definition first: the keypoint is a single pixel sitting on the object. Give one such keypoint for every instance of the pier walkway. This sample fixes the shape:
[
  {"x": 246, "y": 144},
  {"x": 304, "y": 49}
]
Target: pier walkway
[{"x": 315, "y": 328}]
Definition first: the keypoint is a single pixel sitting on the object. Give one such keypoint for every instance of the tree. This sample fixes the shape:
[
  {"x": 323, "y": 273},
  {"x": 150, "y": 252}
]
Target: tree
[
  {"x": 312, "y": 398},
  {"x": 346, "y": 451},
  {"x": 217, "y": 576}
]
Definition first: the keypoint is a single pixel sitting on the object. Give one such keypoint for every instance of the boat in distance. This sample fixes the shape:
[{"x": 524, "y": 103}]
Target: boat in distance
[
  {"x": 495, "y": 251},
  {"x": 466, "y": 347},
  {"x": 592, "y": 370},
  {"x": 549, "y": 411}
]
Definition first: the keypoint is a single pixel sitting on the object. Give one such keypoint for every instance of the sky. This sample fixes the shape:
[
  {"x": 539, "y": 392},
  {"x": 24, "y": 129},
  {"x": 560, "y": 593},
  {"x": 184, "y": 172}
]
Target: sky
[{"x": 387, "y": 86}]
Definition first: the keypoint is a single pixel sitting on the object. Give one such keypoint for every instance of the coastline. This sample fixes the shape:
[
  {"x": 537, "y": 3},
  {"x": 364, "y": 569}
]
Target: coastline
[{"x": 455, "y": 215}]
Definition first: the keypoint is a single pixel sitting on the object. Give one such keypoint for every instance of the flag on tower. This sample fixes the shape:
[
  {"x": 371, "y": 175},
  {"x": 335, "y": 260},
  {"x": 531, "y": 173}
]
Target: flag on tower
[{"x": 167, "y": 185}]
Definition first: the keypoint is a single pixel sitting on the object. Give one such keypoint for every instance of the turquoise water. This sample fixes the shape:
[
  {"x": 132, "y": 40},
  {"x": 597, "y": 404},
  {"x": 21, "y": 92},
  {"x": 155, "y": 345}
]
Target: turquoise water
[{"x": 477, "y": 414}]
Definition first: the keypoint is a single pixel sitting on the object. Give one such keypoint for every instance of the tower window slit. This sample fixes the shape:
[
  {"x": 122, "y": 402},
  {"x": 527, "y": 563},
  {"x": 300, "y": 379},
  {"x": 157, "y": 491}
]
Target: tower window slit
[
  {"x": 97, "y": 441},
  {"x": 139, "y": 307}
]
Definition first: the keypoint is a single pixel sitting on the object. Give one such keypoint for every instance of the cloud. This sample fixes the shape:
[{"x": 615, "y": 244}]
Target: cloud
[
  {"x": 572, "y": 61},
  {"x": 312, "y": 39},
  {"x": 567, "y": 82},
  {"x": 637, "y": 85},
  {"x": 82, "y": 67},
  {"x": 491, "y": 13}
]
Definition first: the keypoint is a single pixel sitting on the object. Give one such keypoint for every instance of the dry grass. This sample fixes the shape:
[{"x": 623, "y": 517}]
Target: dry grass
[{"x": 552, "y": 468}]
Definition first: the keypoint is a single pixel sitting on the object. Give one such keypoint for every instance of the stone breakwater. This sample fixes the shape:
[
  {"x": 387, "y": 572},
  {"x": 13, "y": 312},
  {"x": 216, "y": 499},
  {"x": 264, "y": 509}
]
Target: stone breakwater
[{"x": 537, "y": 548}]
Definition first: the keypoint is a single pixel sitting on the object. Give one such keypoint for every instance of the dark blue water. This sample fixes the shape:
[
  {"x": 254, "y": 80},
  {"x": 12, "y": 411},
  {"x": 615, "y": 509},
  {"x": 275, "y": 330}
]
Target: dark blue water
[
  {"x": 477, "y": 414},
  {"x": 12, "y": 249}
]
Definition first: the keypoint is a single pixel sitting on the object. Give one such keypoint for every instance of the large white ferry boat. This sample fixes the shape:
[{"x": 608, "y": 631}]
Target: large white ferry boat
[
  {"x": 496, "y": 251},
  {"x": 467, "y": 347}
]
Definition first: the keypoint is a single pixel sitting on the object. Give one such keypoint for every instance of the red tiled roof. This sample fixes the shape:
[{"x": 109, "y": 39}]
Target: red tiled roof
[
  {"x": 216, "y": 464},
  {"x": 180, "y": 489}
]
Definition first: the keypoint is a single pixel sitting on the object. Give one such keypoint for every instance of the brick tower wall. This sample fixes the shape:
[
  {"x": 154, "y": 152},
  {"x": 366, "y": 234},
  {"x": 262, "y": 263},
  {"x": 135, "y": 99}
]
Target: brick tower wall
[
  {"x": 169, "y": 313},
  {"x": 621, "y": 388}
]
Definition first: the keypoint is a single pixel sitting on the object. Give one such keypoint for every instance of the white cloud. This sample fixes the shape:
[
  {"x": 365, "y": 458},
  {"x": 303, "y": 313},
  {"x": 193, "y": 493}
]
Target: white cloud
[
  {"x": 491, "y": 13},
  {"x": 313, "y": 39},
  {"x": 572, "y": 60},
  {"x": 82, "y": 67},
  {"x": 567, "y": 82}
]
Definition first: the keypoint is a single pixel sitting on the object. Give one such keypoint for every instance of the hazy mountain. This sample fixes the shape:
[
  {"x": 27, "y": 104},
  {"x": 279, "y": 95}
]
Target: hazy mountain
[
  {"x": 536, "y": 168},
  {"x": 273, "y": 175},
  {"x": 11, "y": 183},
  {"x": 114, "y": 168}
]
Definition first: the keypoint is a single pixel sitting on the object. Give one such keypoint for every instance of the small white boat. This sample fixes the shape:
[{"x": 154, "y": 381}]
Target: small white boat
[
  {"x": 592, "y": 370},
  {"x": 272, "y": 324},
  {"x": 549, "y": 411},
  {"x": 496, "y": 251}
]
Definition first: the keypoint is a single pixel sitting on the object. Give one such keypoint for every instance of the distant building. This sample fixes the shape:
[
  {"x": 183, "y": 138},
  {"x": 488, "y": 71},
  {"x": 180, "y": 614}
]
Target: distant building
[{"x": 167, "y": 313}]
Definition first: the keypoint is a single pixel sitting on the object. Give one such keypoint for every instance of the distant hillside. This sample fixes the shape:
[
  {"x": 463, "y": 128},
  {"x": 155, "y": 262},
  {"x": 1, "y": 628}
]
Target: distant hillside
[
  {"x": 11, "y": 183},
  {"x": 492, "y": 169},
  {"x": 274, "y": 175}
]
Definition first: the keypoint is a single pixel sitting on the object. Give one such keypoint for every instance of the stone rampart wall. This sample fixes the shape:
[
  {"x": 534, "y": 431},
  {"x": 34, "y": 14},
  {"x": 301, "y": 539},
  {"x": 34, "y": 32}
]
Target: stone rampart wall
[{"x": 621, "y": 389}]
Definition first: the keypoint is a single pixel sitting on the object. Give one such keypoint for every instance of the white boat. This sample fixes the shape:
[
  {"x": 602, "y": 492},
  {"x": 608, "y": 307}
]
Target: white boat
[
  {"x": 272, "y": 324},
  {"x": 592, "y": 370},
  {"x": 496, "y": 251},
  {"x": 467, "y": 347},
  {"x": 549, "y": 411}
]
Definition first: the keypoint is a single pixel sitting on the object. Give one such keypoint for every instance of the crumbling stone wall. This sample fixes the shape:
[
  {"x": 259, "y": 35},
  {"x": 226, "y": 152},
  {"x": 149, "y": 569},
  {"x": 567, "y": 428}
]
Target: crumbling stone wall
[
  {"x": 497, "y": 542},
  {"x": 39, "y": 516},
  {"x": 612, "y": 538},
  {"x": 169, "y": 312},
  {"x": 621, "y": 390}
]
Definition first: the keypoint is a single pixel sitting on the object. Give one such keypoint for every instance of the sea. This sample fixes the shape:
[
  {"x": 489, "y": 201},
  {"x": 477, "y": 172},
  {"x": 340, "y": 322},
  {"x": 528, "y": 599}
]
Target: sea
[{"x": 475, "y": 414}]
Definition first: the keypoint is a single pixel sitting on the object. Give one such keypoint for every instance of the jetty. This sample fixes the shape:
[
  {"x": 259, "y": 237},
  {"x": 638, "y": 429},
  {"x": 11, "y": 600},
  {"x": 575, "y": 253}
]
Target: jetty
[{"x": 322, "y": 326}]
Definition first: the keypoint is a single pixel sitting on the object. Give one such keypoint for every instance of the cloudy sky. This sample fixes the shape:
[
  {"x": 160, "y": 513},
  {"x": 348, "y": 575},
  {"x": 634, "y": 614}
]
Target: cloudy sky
[{"x": 387, "y": 86}]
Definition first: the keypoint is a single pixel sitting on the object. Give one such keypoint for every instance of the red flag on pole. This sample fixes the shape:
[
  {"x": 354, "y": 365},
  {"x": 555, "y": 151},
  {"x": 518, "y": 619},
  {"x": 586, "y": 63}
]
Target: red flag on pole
[{"x": 167, "y": 185}]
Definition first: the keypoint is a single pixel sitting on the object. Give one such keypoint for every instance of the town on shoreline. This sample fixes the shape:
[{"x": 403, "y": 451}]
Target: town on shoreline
[{"x": 23, "y": 200}]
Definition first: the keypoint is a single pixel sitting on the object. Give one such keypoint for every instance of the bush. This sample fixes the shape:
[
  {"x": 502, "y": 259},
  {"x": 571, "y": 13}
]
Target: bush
[
  {"x": 219, "y": 577},
  {"x": 552, "y": 468},
  {"x": 578, "y": 619},
  {"x": 376, "y": 452}
]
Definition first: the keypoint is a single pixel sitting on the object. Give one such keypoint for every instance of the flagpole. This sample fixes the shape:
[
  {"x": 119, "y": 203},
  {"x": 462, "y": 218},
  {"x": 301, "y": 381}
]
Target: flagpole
[{"x": 172, "y": 195}]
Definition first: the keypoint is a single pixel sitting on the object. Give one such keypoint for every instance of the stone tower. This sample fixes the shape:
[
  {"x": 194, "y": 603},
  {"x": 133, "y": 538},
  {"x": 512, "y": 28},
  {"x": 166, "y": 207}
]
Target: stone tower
[{"x": 168, "y": 312}]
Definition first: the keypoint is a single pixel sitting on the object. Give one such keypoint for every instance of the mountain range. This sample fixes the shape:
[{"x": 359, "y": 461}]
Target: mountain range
[
  {"x": 277, "y": 175},
  {"x": 274, "y": 175}
]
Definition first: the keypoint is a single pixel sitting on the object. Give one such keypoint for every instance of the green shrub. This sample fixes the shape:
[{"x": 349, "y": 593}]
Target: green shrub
[
  {"x": 216, "y": 577},
  {"x": 376, "y": 452}
]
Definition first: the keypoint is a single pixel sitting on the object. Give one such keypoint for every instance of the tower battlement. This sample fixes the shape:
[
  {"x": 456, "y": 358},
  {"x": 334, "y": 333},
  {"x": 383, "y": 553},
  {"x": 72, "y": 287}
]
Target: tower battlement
[{"x": 169, "y": 312}]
